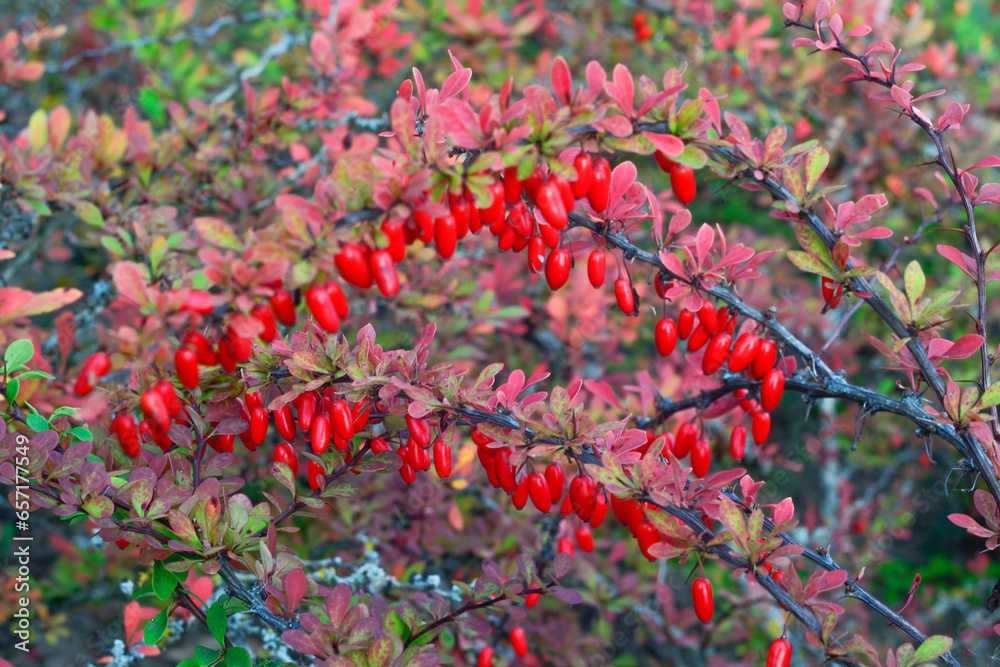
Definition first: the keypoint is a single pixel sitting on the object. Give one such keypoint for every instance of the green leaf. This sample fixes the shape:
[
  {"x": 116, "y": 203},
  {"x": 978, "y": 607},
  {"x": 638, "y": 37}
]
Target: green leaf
[
  {"x": 816, "y": 162},
  {"x": 113, "y": 245},
  {"x": 164, "y": 582},
  {"x": 13, "y": 387},
  {"x": 990, "y": 397},
  {"x": 82, "y": 433},
  {"x": 17, "y": 354},
  {"x": 217, "y": 621},
  {"x": 155, "y": 628},
  {"x": 190, "y": 662},
  {"x": 217, "y": 232},
  {"x": 914, "y": 281},
  {"x": 810, "y": 241},
  {"x": 810, "y": 263},
  {"x": 933, "y": 647},
  {"x": 31, "y": 375},
  {"x": 206, "y": 656},
  {"x": 238, "y": 656},
  {"x": 37, "y": 423}
]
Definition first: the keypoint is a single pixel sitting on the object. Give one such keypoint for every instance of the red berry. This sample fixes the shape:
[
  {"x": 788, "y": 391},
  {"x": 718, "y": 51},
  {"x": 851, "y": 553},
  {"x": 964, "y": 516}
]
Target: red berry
[
  {"x": 337, "y": 298},
  {"x": 598, "y": 194},
  {"x": 549, "y": 235},
  {"x": 685, "y": 438},
  {"x": 600, "y": 511},
  {"x": 442, "y": 459},
  {"x": 504, "y": 470},
  {"x": 128, "y": 434},
  {"x": 565, "y": 546},
  {"x": 685, "y": 324},
  {"x": 283, "y": 307},
  {"x": 780, "y": 653},
  {"x": 596, "y": 267},
  {"x": 379, "y": 445},
  {"x": 554, "y": 477},
  {"x": 683, "y": 184},
  {"x": 360, "y": 415},
  {"x": 550, "y": 203},
  {"x": 738, "y": 443},
  {"x": 761, "y": 427},
  {"x": 663, "y": 162},
  {"x": 520, "y": 496},
  {"x": 264, "y": 314},
  {"x": 307, "y": 410},
  {"x": 259, "y": 419},
  {"x": 744, "y": 351},
  {"x": 395, "y": 234},
  {"x": 647, "y": 535},
  {"x": 716, "y": 353},
  {"x": 154, "y": 409},
  {"x": 582, "y": 497},
  {"x": 496, "y": 208},
  {"x": 638, "y": 19},
  {"x": 518, "y": 641},
  {"x": 420, "y": 432},
  {"x": 536, "y": 253},
  {"x": 460, "y": 209},
  {"x": 557, "y": 268},
  {"x": 284, "y": 423},
  {"x": 830, "y": 296},
  {"x": 342, "y": 419},
  {"x": 625, "y": 295},
  {"x": 538, "y": 490},
  {"x": 352, "y": 263},
  {"x": 319, "y": 304},
  {"x": 565, "y": 191},
  {"x": 319, "y": 439},
  {"x": 186, "y": 363},
  {"x": 771, "y": 388},
  {"x": 701, "y": 457},
  {"x": 445, "y": 235},
  {"x": 666, "y": 336},
  {"x": 531, "y": 599},
  {"x": 697, "y": 339},
  {"x": 512, "y": 187},
  {"x": 485, "y": 657},
  {"x": 206, "y": 355},
  {"x": 643, "y": 33},
  {"x": 764, "y": 360},
  {"x": 254, "y": 400},
  {"x": 384, "y": 269},
  {"x": 708, "y": 317},
  {"x": 285, "y": 453},
  {"x": 585, "y": 539},
  {"x": 704, "y": 605},
  {"x": 96, "y": 365},
  {"x": 315, "y": 475},
  {"x": 584, "y": 166}
]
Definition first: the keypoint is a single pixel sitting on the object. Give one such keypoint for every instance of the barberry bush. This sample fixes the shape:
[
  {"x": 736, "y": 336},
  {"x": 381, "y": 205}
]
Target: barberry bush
[{"x": 527, "y": 332}]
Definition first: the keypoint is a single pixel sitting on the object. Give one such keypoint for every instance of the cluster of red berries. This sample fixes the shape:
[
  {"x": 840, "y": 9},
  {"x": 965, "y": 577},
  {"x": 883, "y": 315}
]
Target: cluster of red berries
[
  {"x": 414, "y": 455},
  {"x": 681, "y": 178},
  {"x": 643, "y": 31}
]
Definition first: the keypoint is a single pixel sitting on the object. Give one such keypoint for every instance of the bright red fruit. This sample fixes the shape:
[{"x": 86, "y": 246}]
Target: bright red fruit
[
  {"x": 337, "y": 298},
  {"x": 128, "y": 434},
  {"x": 307, "y": 410},
  {"x": 704, "y": 605},
  {"x": 512, "y": 187},
  {"x": 685, "y": 324},
  {"x": 771, "y": 388},
  {"x": 557, "y": 268},
  {"x": 445, "y": 235},
  {"x": 538, "y": 490},
  {"x": 596, "y": 267},
  {"x": 265, "y": 315},
  {"x": 186, "y": 363},
  {"x": 738, "y": 443},
  {"x": 283, "y": 306},
  {"x": 536, "y": 253},
  {"x": 697, "y": 339},
  {"x": 684, "y": 439},
  {"x": 420, "y": 432},
  {"x": 744, "y": 351},
  {"x": 154, "y": 409},
  {"x": 701, "y": 457},
  {"x": 565, "y": 546},
  {"x": 549, "y": 235},
  {"x": 625, "y": 295},
  {"x": 761, "y": 427},
  {"x": 531, "y": 184},
  {"x": 764, "y": 360},
  {"x": 284, "y": 423},
  {"x": 780, "y": 653},
  {"x": 384, "y": 269},
  {"x": 715, "y": 355},
  {"x": 352, "y": 263},
  {"x": 831, "y": 296},
  {"x": 683, "y": 184},
  {"x": 461, "y": 210},
  {"x": 600, "y": 510},
  {"x": 319, "y": 304},
  {"x": 395, "y": 233},
  {"x": 520, "y": 496},
  {"x": 206, "y": 355},
  {"x": 442, "y": 459},
  {"x": 663, "y": 162},
  {"x": 285, "y": 453},
  {"x": 253, "y": 400},
  {"x": 708, "y": 316},
  {"x": 598, "y": 195},
  {"x": 259, "y": 419},
  {"x": 97, "y": 364},
  {"x": 315, "y": 475},
  {"x": 319, "y": 439},
  {"x": 565, "y": 191},
  {"x": 585, "y": 539},
  {"x": 518, "y": 641},
  {"x": 644, "y": 33},
  {"x": 485, "y": 658},
  {"x": 584, "y": 166},
  {"x": 342, "y": 419},
  {"x": 647, "y": 535},
  {"x": 504, "y": 469},
  {"x": 582, "y": 497},
  {"x": 554, "y": 477},
  {"x": 666, "y": 336},
  {"x": 496, "y": 208},
  {"x": 531, "y": 599},
  {"x": 550, "y": 203},
  {"x": 379, "y": 445}
]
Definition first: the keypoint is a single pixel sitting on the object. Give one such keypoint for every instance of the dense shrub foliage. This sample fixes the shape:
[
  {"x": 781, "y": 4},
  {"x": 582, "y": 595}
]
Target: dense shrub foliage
[{"x": 451, "y": 332}]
